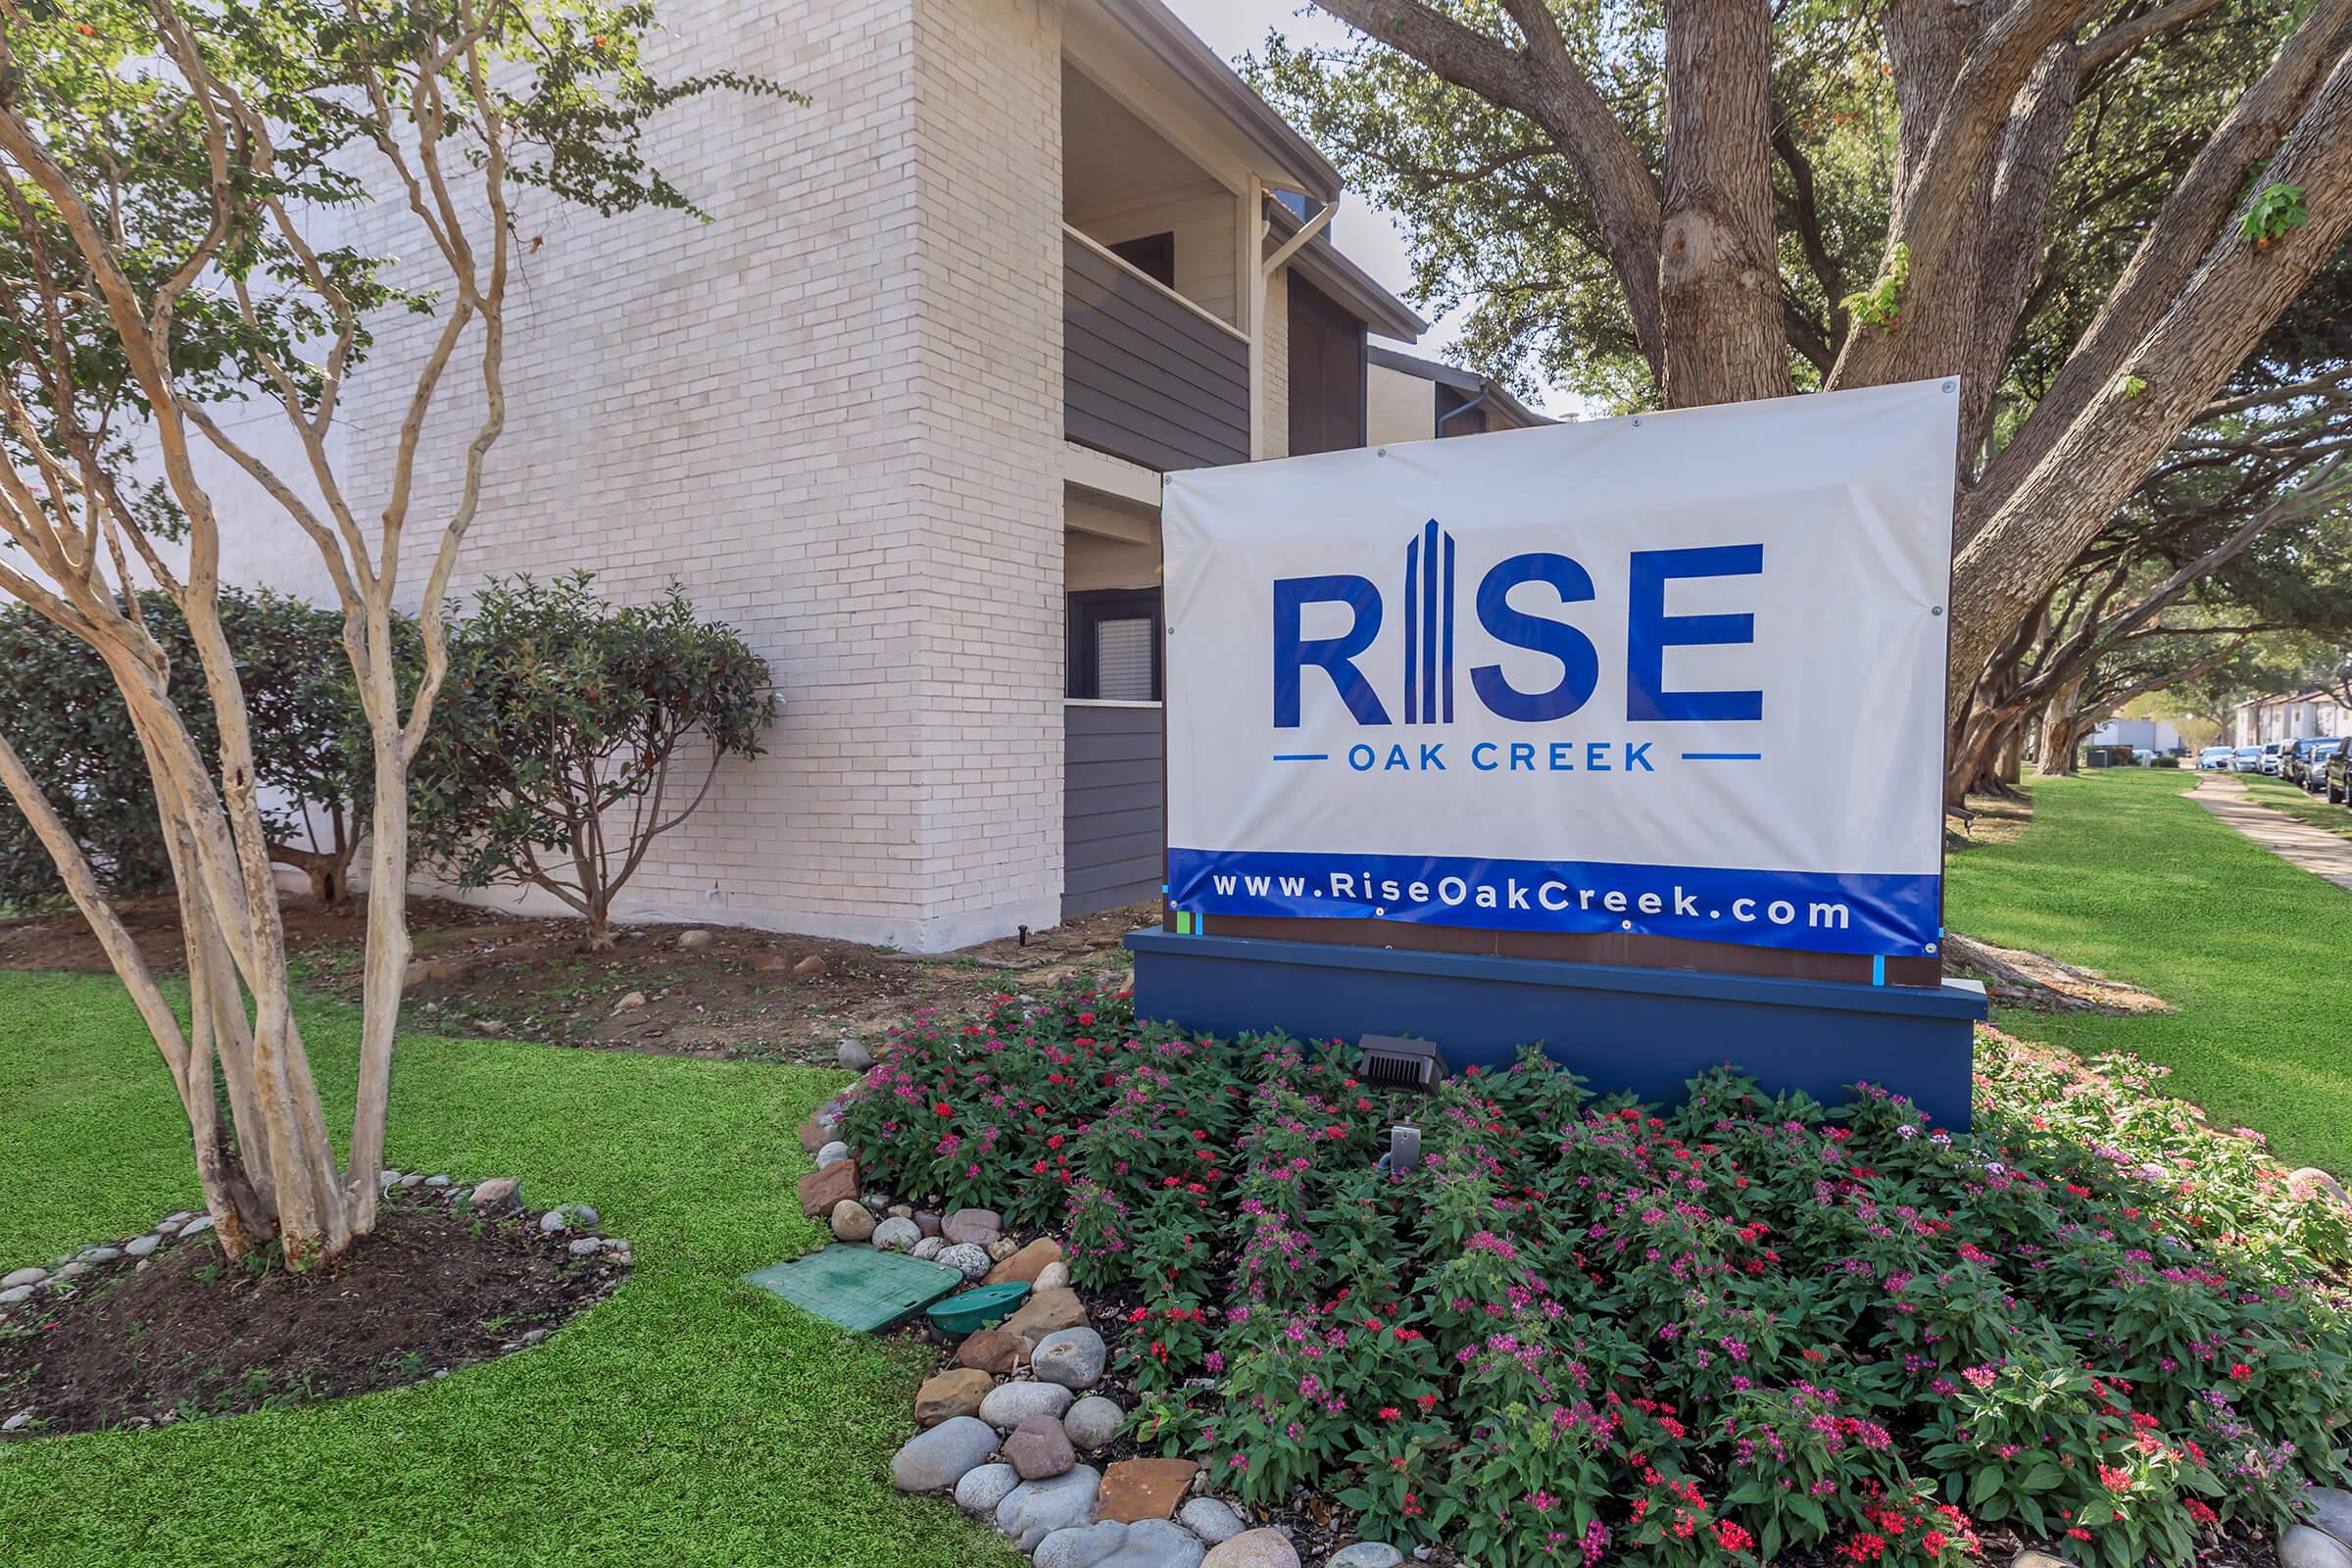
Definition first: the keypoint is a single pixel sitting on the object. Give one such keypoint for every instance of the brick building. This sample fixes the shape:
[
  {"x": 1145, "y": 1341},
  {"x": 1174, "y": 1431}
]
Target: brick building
[{"x": 899, "y": 413}]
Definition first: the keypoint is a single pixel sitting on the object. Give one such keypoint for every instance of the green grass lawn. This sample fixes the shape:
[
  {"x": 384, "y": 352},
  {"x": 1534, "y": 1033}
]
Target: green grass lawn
[
  {"x": 2122, "y": 872},
  {"x": 687, "y": 1419},
  {"x": 2289, "y": 800}
]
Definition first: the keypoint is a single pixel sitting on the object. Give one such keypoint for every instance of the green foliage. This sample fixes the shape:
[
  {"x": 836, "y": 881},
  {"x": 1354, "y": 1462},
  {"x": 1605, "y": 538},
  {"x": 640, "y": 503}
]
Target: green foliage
[
  {"x": 550, "y": 754},
  {"x": 1881, "y": 303},
  {"x": 68, "y": 721},
  {"x": 2274, "y": 211}
]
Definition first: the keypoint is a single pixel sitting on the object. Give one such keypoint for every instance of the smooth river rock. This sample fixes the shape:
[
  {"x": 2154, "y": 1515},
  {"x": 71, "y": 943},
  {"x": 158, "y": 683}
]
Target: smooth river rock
[
  {"x": 1071, "y": 1357},
  {"x": 895, "y": 1235},
  {"x": 981, "y": 1489},
  {"x": 1366, "y": 1554},
  {"x": 1010, "y": 1405},
  {"x": 944, "y": 1455},
  {"x": 1153, "y": 1543},
  {"x": 1093, "y": 1421},
  {"x": 1212, "y": 1519},
  {"x": 2332, "y": 1512},
  {"x": 1039, "y": 1447},
  {"x": 1035, "y": 1510},
  {"x": 1253, "y": 1548},
  {"x": 2302, "y": 1547}
]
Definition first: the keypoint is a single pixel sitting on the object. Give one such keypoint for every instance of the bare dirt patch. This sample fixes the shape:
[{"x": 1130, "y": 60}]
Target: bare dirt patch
[
  {"x": 187, "y": 1334},
  {"x": 1989, "y": 819},
  {"x": 722, "y": 992}
]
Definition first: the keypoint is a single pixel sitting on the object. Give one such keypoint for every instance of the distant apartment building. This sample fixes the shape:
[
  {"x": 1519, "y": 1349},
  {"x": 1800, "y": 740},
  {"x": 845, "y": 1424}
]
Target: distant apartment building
[
  {"x": 901, "y": 414},
  {"x": 2291, "y": 717}
]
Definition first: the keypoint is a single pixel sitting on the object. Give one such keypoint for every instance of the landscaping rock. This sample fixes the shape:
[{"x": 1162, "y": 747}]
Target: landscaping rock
[
  {"x": 1045, "y": 1312},
  {"x": 15, "y": 1293},
  {"x": 851, "y": 1222},
  {"x": 1027, "y": 1263},
  {"x": 585, "y": 1247},
  {"x": 142, "y": 1245},
  {"x": 833, "y": 1153},
  {"x": 21, "y": 1420},
  {"x": 1003, "y": 1247},
  {"x": 2331, "y": 1511},
  {"x": 436, "y": 1183},
  {"x": 22, "y": 1276},
  {"x": 810, "y": 968},
  {"x": 990, "y": 1350},
  {"x": 944, "y": 1455},
  {"x": 928, "y": 1249},
  {"x": 630, "y": 1003},
  {"x": 895, "y": 1235},
  {"x": 204, "y": 1222},
  {"x": 2302, "y": 1547},
  {"x": 927, "y": 1223},
  {"x": 500, "y": 1194},
  {"x": 565, "y": 1216},
  {"x": 1035, "y": 1510},
  {"x": 1212, "y": 1519},
  {"x": 1144, "y": 1489},
  {"x": 2313, "y": 1182},
  {"x": 693, "y": 941},
  {"x": 981, "y": 1489},
  {"x": 1366, "y": 1554},
  {"x": 813, "y": 1136},
  {"x": 949, "y": 1394},
  {"x": 1038, "y": 1447},
  {"x": 978, "y": 1226},
  {"x": 1092, "y": 1423},
  {"x": 1071, "y": 1357},
  {"x": 966, "y": 1259},
  {"x": 1009, "y": 1404},
  {"x": 853, "y": 1056},
  {"x": 68, "y": 1271},
  {"x": 820, "y": 1190},
  {"x": 1053, "y": 1277},
  {"x": 1153, "y": 1543},
  {"x": 1253, "y": 1548}
]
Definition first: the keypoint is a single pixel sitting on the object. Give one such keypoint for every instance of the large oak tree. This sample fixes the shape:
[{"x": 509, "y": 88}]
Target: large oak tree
[{"x": 2089, "y": 211}]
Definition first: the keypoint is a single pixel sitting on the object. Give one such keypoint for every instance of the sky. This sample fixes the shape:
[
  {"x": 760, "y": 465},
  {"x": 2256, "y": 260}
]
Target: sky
[{"x": 1371, "y": 239}]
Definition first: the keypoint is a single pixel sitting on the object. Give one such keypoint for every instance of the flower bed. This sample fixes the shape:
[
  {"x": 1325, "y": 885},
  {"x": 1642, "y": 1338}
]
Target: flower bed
[{"x": 1743, "y": 1329}]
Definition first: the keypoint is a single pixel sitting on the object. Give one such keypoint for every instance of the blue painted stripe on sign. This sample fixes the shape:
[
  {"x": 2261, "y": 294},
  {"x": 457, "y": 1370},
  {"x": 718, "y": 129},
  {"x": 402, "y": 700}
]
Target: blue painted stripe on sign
[
  {"x": 1303, "y": 757},
  {"x": 1449, "y": 678},
  {"x": 1722, "y": 756},
  {"x": 1809, "y": 911},
  {"x": 1877, "y": 968}
]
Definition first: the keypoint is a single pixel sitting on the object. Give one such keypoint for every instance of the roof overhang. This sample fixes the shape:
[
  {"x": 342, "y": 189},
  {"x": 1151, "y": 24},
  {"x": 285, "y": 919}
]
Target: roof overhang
[
  {"x": 1468, "y": 382},
  {"x": 1181, "y": 50},
  {"x": 1322, "y": 265}
]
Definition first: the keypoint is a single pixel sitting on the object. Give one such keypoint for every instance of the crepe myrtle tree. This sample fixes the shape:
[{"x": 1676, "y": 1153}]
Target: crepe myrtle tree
[
  {"x": 562, "y": 718},
  {"x": 170, "y": 179},
  {"x": 2087, "y": 210}
]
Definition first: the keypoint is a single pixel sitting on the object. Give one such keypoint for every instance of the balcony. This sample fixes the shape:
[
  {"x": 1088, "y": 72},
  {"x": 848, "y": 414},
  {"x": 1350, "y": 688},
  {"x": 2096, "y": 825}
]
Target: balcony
[{"x": 1148, "y": 376}]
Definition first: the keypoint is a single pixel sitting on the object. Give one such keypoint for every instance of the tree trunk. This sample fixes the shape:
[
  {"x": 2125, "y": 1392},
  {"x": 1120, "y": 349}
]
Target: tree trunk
[
  {"x": 1719, "y": 281},
  {"x": 2061, "y": 732}
]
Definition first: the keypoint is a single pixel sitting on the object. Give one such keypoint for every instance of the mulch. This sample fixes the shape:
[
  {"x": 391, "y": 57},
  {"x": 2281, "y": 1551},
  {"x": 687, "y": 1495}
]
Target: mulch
[{"x": 188, "y": 1334}]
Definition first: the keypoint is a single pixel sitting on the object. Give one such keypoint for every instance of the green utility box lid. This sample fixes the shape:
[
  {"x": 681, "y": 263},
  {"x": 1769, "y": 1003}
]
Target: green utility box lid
[
  {"x": 863, "y": 1290},
  {"x": 978, "y": 1309}
]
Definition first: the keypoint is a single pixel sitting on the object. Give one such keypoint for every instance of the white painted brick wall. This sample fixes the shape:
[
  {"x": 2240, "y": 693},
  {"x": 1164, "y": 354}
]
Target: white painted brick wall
[{"x": 833, "y": 413}]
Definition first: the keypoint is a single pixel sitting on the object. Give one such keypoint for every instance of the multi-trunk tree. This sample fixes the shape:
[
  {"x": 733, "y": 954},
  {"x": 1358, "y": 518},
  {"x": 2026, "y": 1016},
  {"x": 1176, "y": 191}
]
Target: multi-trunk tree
[
  {"x": 171, "y": 177},
  {"x": 2090, "y": 211}
]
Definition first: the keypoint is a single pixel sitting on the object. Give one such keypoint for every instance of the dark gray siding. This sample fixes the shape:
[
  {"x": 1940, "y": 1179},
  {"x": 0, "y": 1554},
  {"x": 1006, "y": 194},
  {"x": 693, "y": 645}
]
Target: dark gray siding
[
  {"x": 1110, "y": 812},
  {"x": 1144, "y": 378}
]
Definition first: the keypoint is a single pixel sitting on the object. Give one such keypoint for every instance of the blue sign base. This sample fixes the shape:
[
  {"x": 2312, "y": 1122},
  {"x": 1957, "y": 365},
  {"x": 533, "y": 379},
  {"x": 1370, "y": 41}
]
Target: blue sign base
[{"x": 1643, "y": 1030}]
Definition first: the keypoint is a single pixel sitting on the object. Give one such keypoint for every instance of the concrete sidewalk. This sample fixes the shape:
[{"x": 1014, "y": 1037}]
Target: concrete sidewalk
[{"x": 2323, "y": 854}]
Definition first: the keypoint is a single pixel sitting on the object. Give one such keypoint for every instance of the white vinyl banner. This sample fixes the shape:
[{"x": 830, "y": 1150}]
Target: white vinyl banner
[{"x": 1680, "y": 675}]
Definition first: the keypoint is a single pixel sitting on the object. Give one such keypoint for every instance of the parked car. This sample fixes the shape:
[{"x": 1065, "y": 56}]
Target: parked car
[
  {"x": 2214, "y": 759},
  {"x": 2336, "y": 786},
  {"x": 2246, "y": 759},
  {"x": 2314, "y": 764},
  {"x": 2270, "y": 756},
  {"x": 2294, "y": 757}
]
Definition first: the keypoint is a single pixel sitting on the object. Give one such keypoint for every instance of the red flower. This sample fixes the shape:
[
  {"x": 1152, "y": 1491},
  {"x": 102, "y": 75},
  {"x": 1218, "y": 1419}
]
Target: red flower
[
  {"x": 943, "y": 1108},
  {"x": 2240, "y": 1371},
  {"x": 1389, "y": 1413},
  {"x": 1427, "y": 1402}
]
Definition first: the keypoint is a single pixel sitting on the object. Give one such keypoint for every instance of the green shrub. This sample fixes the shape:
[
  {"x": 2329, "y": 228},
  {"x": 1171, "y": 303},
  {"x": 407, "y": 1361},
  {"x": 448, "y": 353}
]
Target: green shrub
[
  {"x": 549, "y": 761},
  {"x": 67, "y": 719}
]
